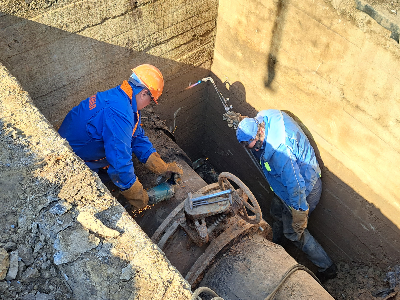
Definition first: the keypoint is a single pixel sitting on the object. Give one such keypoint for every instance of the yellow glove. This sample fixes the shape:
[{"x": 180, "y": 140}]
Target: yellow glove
[
  {"x": 299, "y": 220},
  {"x": 136, "y": 195},
  {"x": 155, "y": 164}
]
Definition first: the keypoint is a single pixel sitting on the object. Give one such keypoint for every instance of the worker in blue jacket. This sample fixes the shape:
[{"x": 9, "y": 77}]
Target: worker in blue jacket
[
  {"x": 289, "y": 164},
  {"x": 104, "y": 130}
]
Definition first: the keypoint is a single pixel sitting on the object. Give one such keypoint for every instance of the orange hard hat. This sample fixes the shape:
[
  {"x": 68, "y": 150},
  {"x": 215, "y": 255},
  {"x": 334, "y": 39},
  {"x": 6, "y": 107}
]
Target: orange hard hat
[{"x": 152, "y": 78}]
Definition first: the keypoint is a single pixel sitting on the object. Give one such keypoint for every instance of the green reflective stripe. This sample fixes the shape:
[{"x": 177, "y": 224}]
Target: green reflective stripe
[
  {"x": 266, "y": 165},
  {"x": 271, "y": 188},
  {"x": 320, "y": 175}
]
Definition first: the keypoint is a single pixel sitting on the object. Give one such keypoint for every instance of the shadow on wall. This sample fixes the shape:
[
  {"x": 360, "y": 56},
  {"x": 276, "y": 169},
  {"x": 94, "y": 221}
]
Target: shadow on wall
[
  {"x": 277, "y": 31},
  {"x": 347, "y": 226},
  {"x": 59, "y": 69}
]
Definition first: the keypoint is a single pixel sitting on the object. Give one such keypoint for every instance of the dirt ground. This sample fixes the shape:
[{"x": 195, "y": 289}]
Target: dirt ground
[{"x": 35, "y": 276}]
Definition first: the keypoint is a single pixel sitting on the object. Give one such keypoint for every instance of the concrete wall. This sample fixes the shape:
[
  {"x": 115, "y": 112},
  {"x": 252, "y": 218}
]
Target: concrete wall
[
  {"x": 65, "y": 51},
  {"x": 62, "y": 52},
  {"x": 335, "y": 70},
  {"x": 330, "y": 65}
]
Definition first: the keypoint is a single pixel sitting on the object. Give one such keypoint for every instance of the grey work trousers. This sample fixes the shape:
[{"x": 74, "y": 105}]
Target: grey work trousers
[{"x": 282, "y": 227}]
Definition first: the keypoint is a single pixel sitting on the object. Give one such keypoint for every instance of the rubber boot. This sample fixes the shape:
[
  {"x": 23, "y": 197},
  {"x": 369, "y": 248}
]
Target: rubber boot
[{"x": 329, "y": 273}]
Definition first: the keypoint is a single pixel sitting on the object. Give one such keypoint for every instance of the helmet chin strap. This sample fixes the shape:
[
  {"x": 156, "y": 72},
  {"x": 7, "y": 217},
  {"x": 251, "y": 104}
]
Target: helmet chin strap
[
  {"x": 260, "y": 136},
  {"x": 258, "y": 145}
]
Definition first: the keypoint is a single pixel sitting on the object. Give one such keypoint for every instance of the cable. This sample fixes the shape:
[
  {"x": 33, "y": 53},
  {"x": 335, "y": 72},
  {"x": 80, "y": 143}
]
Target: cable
[
  {"x": 204, "y": 289},
  {"x": 286, "y": 276}
]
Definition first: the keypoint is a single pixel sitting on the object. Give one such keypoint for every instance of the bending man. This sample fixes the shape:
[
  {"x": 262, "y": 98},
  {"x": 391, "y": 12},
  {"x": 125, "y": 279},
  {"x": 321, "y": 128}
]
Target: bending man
[
  {"x": 104, "y": 130},
  {"x": 289, "y": 164}
]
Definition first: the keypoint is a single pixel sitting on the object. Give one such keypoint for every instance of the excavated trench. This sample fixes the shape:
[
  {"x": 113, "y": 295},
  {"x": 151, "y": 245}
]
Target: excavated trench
[{"x": 332, "y": 65}]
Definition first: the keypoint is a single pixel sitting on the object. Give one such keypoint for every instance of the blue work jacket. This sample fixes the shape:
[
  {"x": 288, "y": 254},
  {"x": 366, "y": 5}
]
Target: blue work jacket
[
  {"x": 287, "y": 158},
  {"x": 104, "y": 130}
]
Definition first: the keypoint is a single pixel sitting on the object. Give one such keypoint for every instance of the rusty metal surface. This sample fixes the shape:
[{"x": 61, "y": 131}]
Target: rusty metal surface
[
  {"x": 237, "y": 227},
  {"x": 166, "y": 223},
  {"x": 210, "y": 227},
  {"x": 210, "y": 209},
  {"x": 242, "y": 197}
]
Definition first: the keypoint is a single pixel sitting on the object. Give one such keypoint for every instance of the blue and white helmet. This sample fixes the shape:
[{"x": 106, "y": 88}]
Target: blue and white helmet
[{"x": 247, "y": 130}]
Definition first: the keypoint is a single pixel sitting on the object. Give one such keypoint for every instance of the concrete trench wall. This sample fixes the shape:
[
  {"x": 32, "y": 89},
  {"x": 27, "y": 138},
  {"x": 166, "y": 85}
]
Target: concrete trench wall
[
  {"x": 65, "y": 51},
  {"x": 79, "y": 241},
  {"x": 330, "y": 65},
  {"x": 334, "y": 69}
]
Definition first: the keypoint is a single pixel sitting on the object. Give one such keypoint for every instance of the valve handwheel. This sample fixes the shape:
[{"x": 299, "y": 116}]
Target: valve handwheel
[{"x": 243, "y": 193}]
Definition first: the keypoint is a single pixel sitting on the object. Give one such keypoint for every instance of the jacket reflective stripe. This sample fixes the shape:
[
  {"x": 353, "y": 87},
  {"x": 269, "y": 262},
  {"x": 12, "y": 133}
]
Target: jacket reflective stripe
[
  {"x": 266, "y": 165},
  {"x": 126, "y": 87}
]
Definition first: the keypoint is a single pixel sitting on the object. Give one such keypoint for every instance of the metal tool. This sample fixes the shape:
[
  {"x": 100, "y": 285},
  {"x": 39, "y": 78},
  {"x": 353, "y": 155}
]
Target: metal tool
[
  {"x": 202, "y": 199},
  {"x": 199, "y": 203},
  {"x": 221, "y": 97}
]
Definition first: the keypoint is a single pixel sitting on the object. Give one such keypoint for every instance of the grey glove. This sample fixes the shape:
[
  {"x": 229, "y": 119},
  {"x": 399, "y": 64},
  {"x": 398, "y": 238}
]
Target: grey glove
[{"x": 299, "y": 220}]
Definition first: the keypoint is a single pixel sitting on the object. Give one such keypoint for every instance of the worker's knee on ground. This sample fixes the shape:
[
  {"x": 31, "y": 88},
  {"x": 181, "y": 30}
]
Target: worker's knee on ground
[{"x": 136, "y": 195}]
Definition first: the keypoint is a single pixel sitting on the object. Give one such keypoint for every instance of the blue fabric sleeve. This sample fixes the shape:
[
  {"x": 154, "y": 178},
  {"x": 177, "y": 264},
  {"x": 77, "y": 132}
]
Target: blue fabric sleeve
[
  {"x": 141, "y": 145},
  {"x": 294, "y": 182},
  {"x": 117, "y": 136}
]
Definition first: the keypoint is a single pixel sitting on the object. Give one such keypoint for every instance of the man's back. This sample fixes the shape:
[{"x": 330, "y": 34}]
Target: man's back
[{"x": 84, "y": 125}]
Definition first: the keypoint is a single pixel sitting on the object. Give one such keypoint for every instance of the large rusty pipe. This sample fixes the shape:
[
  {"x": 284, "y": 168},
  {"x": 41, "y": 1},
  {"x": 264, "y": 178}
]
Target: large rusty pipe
[{"x": 254, "y": 267}]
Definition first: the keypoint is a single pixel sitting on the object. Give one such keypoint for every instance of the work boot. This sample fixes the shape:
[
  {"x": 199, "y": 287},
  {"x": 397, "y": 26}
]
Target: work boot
[{"x": 329, "y": 273}]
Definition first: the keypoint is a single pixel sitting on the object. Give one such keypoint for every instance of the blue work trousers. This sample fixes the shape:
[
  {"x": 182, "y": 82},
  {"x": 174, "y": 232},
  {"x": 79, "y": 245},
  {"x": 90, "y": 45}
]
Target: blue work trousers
[{"x": 282, "y": 227}]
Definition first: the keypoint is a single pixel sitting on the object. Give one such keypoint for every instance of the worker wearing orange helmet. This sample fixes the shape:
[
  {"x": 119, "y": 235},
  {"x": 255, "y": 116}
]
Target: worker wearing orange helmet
[{"x": 104, "y": 130}]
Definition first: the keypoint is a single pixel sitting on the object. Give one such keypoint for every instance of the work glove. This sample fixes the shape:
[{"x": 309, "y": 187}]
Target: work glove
[
  {"x": 299, "y": 220},
  {"x": 155, "y": 164},
  {"x": 136, "y": 195}
]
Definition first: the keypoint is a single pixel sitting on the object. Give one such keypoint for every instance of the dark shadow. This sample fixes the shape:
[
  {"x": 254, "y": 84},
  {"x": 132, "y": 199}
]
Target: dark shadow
[{"x": 277, "y": 31}]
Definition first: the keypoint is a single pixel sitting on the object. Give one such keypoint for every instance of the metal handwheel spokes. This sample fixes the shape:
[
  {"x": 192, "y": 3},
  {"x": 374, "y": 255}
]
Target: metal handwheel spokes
[{"x": 244, "y": 194}]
